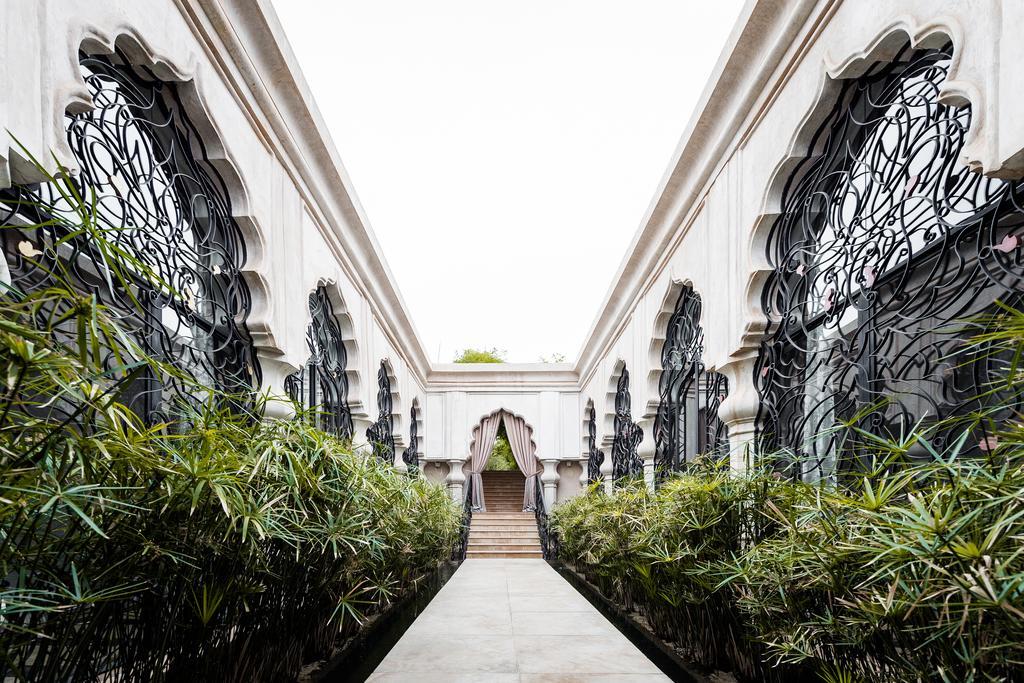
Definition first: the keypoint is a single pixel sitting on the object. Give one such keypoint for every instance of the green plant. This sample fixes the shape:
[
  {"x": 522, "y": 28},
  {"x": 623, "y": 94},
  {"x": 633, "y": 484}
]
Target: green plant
[
  {"x": 666, "y": 554},
  {"x": 501, "y": 458},
  {"x": 492, "y": 355},
  {"x": 215, "y": 547},
  {"x": 910, "y": 570}
]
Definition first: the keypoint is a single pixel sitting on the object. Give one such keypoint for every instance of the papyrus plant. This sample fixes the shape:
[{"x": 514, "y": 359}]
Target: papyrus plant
[
  {"x": 219, "y": 547},
  {"x": 911, "y": 569}
]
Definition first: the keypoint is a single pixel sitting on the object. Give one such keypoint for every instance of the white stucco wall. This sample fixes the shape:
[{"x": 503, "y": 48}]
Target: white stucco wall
[
  {"x": 706, "y": 224},
  {"x": 304, "y": 226}
]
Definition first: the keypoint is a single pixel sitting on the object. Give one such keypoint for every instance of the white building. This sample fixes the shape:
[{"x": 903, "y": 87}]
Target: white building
[{"x": 858, "y": 160}]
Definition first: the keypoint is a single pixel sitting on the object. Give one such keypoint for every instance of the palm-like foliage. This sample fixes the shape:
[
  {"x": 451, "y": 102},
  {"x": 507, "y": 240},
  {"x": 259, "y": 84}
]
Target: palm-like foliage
[
  {"x": 216, "y": 548},
  {"x": 912, "y": 571}
]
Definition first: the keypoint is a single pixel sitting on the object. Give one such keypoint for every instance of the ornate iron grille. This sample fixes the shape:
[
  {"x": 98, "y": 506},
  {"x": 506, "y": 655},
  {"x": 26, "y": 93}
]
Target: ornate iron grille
[
  {"x": 159, "y": 201},
  {"x": 321, "y": 383},
  {"x": 410, "y": 456},
  {"x": 626, "y": 461},
  {"x": 380, "y": 434},
  {"x": 687, "y": 423},
  {"x": 595, "y": 456},
  {"x": 886, "y": 245}
]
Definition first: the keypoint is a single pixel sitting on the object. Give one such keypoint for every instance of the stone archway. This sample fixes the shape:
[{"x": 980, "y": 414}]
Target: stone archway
[{"x": 524, "y": 450}]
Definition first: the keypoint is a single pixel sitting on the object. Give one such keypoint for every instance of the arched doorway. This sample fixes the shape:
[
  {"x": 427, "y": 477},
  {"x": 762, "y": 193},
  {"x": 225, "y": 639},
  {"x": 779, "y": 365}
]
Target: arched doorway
[{"x": 524, "y": 451}]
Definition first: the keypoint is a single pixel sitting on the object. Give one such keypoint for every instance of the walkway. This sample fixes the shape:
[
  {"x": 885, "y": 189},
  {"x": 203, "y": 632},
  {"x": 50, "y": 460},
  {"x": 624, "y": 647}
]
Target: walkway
[{"x": 513, "y": 621}]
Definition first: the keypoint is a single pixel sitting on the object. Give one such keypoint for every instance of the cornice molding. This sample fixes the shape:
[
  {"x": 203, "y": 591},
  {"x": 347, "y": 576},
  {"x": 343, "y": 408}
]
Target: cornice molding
[
  {"x": 745, "y": 73},
  {"x": 252, "y": 50},
  {"x": 504, "y": 377}
]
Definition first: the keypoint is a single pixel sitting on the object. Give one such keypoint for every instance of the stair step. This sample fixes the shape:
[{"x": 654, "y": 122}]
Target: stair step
[
  {"x": 503, "y": 515},
  {"x": 504, "y": 522},
  {"x": 526, "y": 521},
  {"x": 497, "y": 554},
  {"x": 516, "y": 544}
]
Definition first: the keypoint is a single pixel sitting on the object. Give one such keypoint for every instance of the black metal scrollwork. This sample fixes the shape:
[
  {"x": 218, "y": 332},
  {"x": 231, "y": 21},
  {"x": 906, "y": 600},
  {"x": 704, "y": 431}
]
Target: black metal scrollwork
[
  {"x": 410, "y": 456},
  {"x": 595, "y": 456},
  {"x": 381, "y": 433},
  {"x": 626, "y": 461},
  {"x": 886, "y": 248},
  {"x": 159, "y": 201},
  {"x": 321, "y": 383},
  {"x": 687, "y": 423}
]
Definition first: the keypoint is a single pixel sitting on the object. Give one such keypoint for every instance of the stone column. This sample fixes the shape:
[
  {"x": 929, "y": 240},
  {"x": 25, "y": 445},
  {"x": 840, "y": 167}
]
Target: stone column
[
  {"x": 646, "y": 450},
  {"x": 278, "y": 406},
  {"x": 399, "y": 463},
  {"x": 549, "y": 479},
  {"x": 606, "y": 470},
  {"x": 739, "y": 412},
  {"x": 456, "y": 478},
  {"x": 584, "y": 464}
]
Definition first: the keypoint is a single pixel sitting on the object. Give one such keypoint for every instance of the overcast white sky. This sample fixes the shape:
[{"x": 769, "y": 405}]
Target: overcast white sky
[{"x": 505, "y": 152}]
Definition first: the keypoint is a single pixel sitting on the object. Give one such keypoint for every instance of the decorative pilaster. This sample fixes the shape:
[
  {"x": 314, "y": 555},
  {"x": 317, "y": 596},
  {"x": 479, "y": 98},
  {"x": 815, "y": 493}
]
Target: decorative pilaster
[
  {"x": 606, "y": 474},
  {"x": 646, "y": 450},
  {"x": 277, "y": 404},
  {"x": 456, "y": 479},
  {"x": 400, "y": 464},
  {"x": 549, "y": 479},
  {"x": 739, "y": 412}
]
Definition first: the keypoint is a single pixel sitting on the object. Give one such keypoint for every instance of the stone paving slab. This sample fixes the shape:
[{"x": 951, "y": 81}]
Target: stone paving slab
[{"x": 513, "y": 621}]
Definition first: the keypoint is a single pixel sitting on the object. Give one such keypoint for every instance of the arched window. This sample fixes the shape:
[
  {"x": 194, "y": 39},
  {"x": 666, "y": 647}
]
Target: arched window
[
  {"x": 321, "y": 383},
  {"x": 411, "y": 456},
  {"x": 886, "y": 252},
  {"x": 626, "y": 462},
  {"x": 158, "y": 203},
  {"x": 687, "y": 423},
  {"x": 381, "y": 433},
  {"x": 595, "y": 456}
]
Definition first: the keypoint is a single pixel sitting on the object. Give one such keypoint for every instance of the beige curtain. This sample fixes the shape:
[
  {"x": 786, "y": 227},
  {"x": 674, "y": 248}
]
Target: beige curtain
[
  {"x": 525, "y": 452},
  {"x": 479, "y": 452}
]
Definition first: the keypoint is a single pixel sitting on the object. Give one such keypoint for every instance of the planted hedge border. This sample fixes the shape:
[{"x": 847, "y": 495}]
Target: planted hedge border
[
  {"x": 909, "y": 568},
  {"x": 213, "y": 546},
  {"x": 912, "y": 573}
]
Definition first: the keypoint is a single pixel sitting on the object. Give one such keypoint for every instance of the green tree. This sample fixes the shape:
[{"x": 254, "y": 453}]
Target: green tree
[
  {"x": 501, "y": 458},
  {"x": 553, "y": 358},
  {"x": 492, "y": 355}
]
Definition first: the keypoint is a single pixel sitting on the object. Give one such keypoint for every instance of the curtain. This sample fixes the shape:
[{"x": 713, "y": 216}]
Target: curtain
[
  {"x": 479, "y": 452},
  {"x": 524, "y": 450}
]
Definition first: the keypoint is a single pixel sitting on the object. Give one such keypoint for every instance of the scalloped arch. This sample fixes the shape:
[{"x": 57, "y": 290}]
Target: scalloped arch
[
  {"x": 353, "y": 350},
  {"x": 588, "y": 406},
  {"x": 397, "y": 419},
  {"x": 882, "y": 48},
  {"x": 506, "y": 411},
  {"x": 607, "y": 428},
  {"x": 72, "y": 96},
  {"x": 658, "y": 336}
]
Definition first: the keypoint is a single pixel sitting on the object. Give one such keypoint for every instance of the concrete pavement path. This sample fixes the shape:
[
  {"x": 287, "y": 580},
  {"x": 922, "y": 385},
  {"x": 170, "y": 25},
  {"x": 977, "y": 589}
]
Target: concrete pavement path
[{"x": 513, "y": 621}]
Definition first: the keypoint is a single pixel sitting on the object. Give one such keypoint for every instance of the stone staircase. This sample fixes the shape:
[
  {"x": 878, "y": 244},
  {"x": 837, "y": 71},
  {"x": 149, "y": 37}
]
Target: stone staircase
[{"x": 504, "y": 530}]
